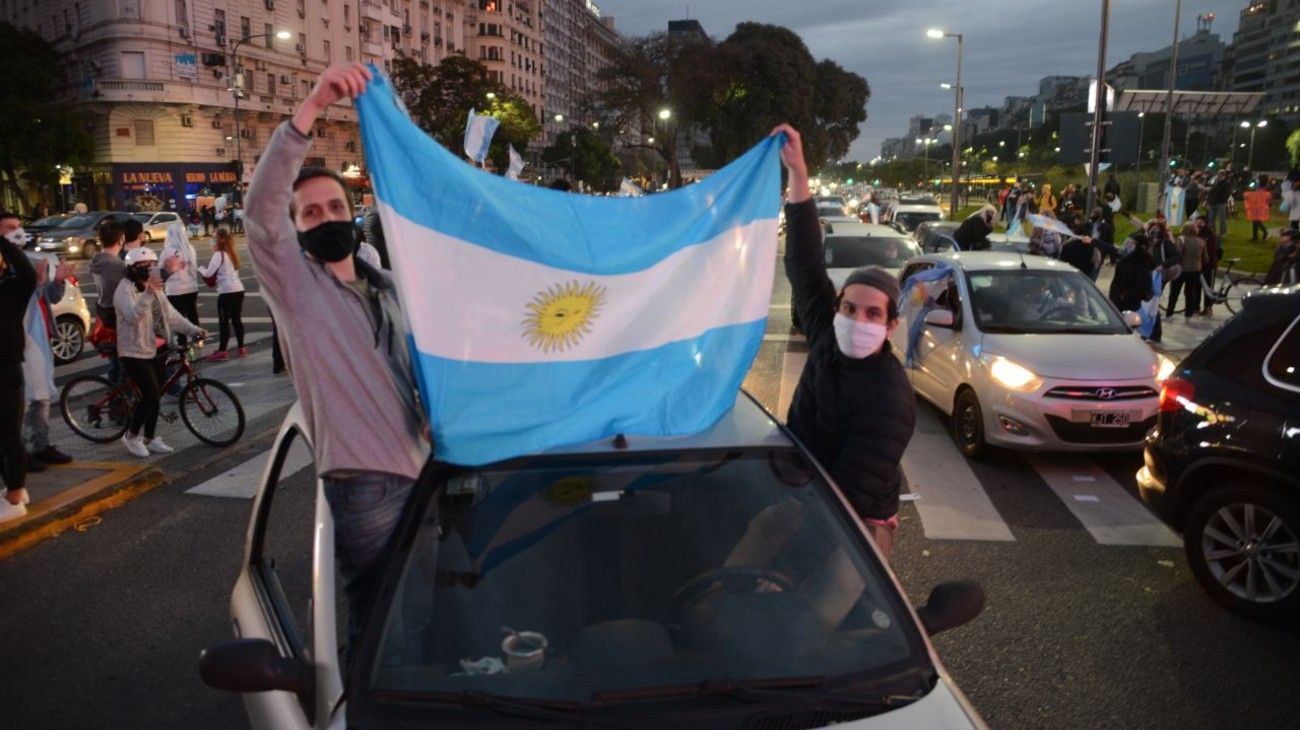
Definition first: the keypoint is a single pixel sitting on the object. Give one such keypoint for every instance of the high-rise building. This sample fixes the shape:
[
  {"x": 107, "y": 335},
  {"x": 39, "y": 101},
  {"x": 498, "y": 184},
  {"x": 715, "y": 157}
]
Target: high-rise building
[
  {"x": 1266, "y": 56},
  {"x": 507, "y": 36},
  {"x": 1200, "y": 57},
  {"x": 159, "y": 82}
]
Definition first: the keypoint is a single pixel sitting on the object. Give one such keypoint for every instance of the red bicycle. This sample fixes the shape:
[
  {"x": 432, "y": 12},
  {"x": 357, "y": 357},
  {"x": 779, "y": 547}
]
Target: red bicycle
[{"x": 98, "y": 410}]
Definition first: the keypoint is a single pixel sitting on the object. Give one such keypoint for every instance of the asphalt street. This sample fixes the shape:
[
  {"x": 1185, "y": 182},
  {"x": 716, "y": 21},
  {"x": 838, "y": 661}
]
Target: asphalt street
[{"x": 1092, "y": 620}]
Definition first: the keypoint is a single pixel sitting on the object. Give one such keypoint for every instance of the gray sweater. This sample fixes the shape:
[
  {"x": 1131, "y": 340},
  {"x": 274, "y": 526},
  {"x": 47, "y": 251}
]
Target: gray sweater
[{"x": 337, "y": 343}]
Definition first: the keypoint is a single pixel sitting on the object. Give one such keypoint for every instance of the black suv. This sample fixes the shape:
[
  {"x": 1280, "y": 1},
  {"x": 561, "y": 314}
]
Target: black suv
[{"x": 1223, "y": 462}]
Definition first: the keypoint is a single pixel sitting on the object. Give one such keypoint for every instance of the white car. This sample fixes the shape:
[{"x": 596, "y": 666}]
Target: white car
[
  {"x": 850, "y": 245},
  {"x": 716, "y": 580},
  {"x": 912, "y": 210},
  {"x": 156, "y": 224},
  {"x": 71, "y": 317},
  {"x": 1024, "y": 352}
]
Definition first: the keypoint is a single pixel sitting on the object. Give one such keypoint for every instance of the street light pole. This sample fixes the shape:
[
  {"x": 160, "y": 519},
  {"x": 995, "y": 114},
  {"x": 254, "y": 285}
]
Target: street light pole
[
  {"x": 235, "y": 87},
  {"x": 1169, "y": 112},
  {"x": 956, "y": 119},
  {"x": 1098, "y": 112},
  {"x": 1250, "y": 157}
]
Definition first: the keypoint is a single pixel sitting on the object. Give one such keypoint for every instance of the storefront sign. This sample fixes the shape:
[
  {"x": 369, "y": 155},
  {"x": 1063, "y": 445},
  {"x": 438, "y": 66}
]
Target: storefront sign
[
  {"x": 146, "y": 178},
  {"x": 186, "y": 66}
]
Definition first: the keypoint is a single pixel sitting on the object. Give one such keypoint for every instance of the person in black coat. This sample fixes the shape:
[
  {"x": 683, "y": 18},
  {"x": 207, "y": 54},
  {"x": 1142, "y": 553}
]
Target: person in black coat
[
  {"x": 853, "y": 407},
  {"x": 17, "y": 282},
  {"x": 973, "y": 233},
  {"x": 1132, "y": 283}
]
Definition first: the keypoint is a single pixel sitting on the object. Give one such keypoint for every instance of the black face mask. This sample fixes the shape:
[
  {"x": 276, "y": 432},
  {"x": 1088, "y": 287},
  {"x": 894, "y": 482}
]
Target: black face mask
[{"x": 332, "y": 241}]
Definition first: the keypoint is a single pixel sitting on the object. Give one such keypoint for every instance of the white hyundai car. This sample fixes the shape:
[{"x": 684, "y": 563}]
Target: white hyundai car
[
  {"x": 1025, "y": 352},
  {"x": 719, "y": 580}
]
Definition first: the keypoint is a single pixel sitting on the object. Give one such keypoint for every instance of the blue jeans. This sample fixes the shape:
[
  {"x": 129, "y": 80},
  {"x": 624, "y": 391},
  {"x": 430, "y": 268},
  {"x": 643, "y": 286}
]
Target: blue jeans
[
  {"x": 365, "y": 508},
  {"x": 1218, "y": 218}
]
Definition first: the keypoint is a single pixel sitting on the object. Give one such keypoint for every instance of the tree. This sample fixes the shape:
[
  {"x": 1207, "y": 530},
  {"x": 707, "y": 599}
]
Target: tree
[
  {"x": 37, "y": 132},
  {"x": 440, "y": 97},
  {"x": 1293, "y": 147},
  {"x": 587, "y": 155},
  {"x": 840, "y": 106}
]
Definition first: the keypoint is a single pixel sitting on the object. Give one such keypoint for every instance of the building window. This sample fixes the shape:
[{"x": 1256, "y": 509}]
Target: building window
[
  {"x": 270, "y": 35},
  {"x": 133, "y": 65},
  {"x": 347, "y": 14},
  {"x": 347, "y": 53},
  {"x": 306, "y": 88},
  {"x": 245, "y": 27},
  {"x": 219, "y": 22},
  {"x": 270, "y": 84},
  {"x": 144, "y": 132},
  {"x": 327, "y": 51},
  {"x": 302, "y": 43}
]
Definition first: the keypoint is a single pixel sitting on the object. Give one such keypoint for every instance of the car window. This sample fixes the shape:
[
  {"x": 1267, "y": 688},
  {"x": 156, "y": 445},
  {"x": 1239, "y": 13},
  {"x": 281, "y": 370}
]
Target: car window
[
  {"x": 281, "y": 558},
  {"x": 639, "y": 571},
  {"x": 914, "y": 269},
  {"x": 142, "y": 217},
  {"x": 85, "y": 220},
  {"x": 1028, "y": 301},
  {"x": 166, "y": 218},
  {"x": 1283, "y": 364},
  {"x": 829, "y": 210},
  {"x": 850, "y": 252},
  {"x": 1251, "y": 345}
]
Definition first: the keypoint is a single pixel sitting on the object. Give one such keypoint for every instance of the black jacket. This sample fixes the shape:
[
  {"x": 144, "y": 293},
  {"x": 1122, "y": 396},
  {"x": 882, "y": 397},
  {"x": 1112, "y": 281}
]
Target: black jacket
[
  {"x": 17, "y": 282},
  {"x": 1220, "y": 191},
  {"x": 1132, "y": 283},
  {"x": 855, "y": 415},
  {"x": 973, "y": 234}
]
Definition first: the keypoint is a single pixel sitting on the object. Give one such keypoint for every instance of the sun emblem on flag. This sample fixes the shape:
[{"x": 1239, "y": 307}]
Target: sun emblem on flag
[{"x": 560, "y": 316}]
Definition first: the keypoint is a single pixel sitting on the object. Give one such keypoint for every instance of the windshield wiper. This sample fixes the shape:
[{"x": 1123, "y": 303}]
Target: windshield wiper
[
  {"x": 786, "y": 689},
  {"x": 529, "y": 709}
]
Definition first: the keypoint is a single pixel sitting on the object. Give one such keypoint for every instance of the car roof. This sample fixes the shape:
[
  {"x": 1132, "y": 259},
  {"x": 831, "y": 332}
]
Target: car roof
[
  {"x": 859, "y": 229},
  {"x": 746, "y": 425},
  {"x": 994, "y": 261}
]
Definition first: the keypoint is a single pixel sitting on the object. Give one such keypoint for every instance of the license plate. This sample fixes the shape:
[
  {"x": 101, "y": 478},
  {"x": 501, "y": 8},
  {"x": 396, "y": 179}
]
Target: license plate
[{"x": 1110, "y": 419}]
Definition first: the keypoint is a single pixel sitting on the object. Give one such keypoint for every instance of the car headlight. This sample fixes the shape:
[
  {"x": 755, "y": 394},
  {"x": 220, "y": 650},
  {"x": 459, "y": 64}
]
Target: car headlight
[
  {"x": 1164, "y": 367},
  {"x": 1012, "y": 375}
]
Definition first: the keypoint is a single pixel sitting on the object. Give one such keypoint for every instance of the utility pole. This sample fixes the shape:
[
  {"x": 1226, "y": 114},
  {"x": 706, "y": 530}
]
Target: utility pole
[
  {"x": 1169, "y": 113},
  {"x": 1098, "y": 112}
]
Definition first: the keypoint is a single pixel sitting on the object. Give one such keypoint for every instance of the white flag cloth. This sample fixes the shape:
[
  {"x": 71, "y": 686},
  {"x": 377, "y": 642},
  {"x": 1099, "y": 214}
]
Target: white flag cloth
[
  {"x": 516, "y": 164},
  {"x": 630, "y": 189},
  {"x": 479, "y": 129}
]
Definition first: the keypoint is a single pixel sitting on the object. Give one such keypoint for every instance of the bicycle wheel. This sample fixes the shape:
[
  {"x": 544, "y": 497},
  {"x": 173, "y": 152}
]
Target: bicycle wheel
[
  {"x": 212, "y": 412},
  {"x": 94, "y": 409},
  {"x": 1238, "y": 290}
]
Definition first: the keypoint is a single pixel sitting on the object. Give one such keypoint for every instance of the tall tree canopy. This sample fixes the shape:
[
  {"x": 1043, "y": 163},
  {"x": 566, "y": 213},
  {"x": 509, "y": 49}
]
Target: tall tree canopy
[
  {"x": 37, "y": 132},
  {"x": 586, "y": 156},
  {"x": 439, "y": 99}
]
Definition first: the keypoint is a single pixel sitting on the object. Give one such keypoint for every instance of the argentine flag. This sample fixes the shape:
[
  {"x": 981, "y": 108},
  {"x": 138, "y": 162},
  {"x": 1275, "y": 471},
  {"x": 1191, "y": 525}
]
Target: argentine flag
[
  {"x": 479, "y": 129},
  {"x": 1175, "y": 202},
  {"x": 540, "y": 318}
]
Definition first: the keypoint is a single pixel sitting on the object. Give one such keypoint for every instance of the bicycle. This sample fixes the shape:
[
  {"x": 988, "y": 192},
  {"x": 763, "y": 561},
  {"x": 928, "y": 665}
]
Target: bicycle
[
  {"x": 1230, "y": 290},
  {"x": 97, "y": 410}
]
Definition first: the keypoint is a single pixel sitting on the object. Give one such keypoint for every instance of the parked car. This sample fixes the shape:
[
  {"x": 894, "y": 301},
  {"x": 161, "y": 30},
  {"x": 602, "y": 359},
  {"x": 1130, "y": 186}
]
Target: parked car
[
  {"x": 851, "y": 245},
  {"x": 1222, "y": 465},
  {"x": 71, "y": 317},
  {"x": 156, "y": 224},
  {"x": 1025, "y": 352},
  {"x": 77, "y": 236},
  {"x": 718, "y": 580},
  {"x": 935, "y": 236},
  {"x": 911, "y": 210},
  {"x": 41, "y": 225}
]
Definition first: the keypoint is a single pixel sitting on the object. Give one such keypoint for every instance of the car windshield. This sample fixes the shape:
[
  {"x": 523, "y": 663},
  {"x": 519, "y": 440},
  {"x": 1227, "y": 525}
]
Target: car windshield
[
  {"x": 52, "y": 221},
  {"x": 143, "y": 217},
  {"x": 1021, "y": 301},
  {"x": 581, "y": 577},
  {"x": 829, "y": 210},
  {"x": 85, "y": 220},
  {"x": 845, "y": 252}
]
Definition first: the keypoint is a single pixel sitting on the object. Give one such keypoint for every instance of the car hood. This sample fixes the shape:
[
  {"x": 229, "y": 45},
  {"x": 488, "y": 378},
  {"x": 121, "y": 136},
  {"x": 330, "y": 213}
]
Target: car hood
[
  {"x": 941, "y": 708},
  {"x": 1077, "y": 357},
  {"x": 58, "y": 234}
]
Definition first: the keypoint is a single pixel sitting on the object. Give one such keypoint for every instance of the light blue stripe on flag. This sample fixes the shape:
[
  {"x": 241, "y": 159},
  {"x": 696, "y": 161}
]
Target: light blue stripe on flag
[
  {"x": 670, "y": 291},
  {"x": 479, "y": 129}
]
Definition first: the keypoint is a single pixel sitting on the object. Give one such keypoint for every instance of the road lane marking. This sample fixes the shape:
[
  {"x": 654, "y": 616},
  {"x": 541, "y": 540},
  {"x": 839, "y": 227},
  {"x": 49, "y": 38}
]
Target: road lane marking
[
  {"x": 950, "y": 499},
  {"x": 243, "y": 480},
  {"x": 1112, "y": 516}
]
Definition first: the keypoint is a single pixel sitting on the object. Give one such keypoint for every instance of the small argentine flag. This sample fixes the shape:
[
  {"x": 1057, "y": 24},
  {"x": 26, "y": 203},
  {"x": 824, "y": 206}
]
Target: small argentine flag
[
  {"x": 1175, "y": 205},
  {"x": 516, "y": 164},
  {"x": 479, "y": 129},
  {"x": 540, "y": 318}
]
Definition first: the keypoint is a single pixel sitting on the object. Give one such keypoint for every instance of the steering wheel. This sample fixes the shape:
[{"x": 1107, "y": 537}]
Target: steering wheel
[
  {"x": 729, "y": 578},
  {"x": 1063, "y": 308}
]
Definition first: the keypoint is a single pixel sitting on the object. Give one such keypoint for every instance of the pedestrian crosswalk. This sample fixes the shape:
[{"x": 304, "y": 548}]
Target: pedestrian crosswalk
[{"x": 953, "y": 504}]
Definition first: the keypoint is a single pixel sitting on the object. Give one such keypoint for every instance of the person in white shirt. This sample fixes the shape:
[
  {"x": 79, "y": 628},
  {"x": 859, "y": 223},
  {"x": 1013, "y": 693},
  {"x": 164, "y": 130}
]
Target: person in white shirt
[
  {"x": 230, "y": 292},
  {"x": 180, "y": 283}
]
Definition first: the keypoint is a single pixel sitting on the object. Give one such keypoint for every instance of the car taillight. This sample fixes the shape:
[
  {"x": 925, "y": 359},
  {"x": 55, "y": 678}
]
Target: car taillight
[{"x": 1173, "y": 389}]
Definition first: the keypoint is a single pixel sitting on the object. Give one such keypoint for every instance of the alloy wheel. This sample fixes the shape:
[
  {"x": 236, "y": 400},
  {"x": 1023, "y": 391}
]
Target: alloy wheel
[
  {"x": 1252, "y": 552},
  {"x": 67, "y": 341}
]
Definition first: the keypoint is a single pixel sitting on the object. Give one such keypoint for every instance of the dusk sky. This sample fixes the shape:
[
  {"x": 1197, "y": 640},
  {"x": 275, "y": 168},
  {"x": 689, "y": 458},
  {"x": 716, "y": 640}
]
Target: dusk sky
[{"x": 1009, "y": 46}]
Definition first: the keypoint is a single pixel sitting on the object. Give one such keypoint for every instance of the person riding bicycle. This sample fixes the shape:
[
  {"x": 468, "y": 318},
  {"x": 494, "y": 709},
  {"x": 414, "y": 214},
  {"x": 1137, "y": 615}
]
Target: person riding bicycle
[{"x": 145, "y": 321}]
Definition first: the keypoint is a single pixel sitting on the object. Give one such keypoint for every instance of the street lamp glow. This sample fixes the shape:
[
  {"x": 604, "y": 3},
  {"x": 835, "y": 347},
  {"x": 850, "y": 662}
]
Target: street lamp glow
[
  {"x": 1141, "y": 114},
  {"x": 945, "y": 85},
  {"x": 1262, "y": 123},
  {"x": 934, "y": 33},
  {"x": 559, "y": 118},
  {"x": 595, "y": 125},
  {"x": 947, "y": 127},
  {"x": 650, "y": 140},
  {"x": 284, "y": 35},
  {"x": 491, "y": 95},
  {"x": 1245, "y": 125},
  {"x": 664, "y": 114}
]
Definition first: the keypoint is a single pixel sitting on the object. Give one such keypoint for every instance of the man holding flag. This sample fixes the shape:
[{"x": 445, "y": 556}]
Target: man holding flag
[
  {"x": 853, "y": 407},
  {"x": 344, "y": 337}
]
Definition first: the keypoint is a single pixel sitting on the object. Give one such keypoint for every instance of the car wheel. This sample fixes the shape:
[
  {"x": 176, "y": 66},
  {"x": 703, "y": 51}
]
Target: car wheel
[
  {"x": 148, "y": 238},
  {"x": 968, "y": 425},
  {"x": 68, "y": 340},
  {"x": 1243, "y": 545}
]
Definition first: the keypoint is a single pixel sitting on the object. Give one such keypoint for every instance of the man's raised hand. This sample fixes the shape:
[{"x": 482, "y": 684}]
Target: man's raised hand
[
  {"x": 792, "y": 158},
  {"x": 340, "y": 81}
]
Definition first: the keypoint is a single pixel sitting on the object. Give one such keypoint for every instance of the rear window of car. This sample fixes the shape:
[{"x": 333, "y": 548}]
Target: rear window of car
[
  {"x": 1283, "y": 364},
  {"x": 1252, "y": 346}
]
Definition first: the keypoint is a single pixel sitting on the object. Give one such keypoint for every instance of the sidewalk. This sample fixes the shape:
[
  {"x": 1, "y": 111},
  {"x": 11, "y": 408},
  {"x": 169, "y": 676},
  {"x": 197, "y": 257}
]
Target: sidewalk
[
  {"x": 1180, "y": 335},
  {"x": 104, "y": 476}
]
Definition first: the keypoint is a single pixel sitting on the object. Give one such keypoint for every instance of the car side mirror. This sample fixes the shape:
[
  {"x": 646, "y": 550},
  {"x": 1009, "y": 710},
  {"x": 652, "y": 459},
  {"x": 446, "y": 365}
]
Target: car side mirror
[
  {"x": 950, "y": 605},
  {"x": 939, "y": 318},
  {"x": 1132, "y": 319},
  {"x": 252, "y": 665}
]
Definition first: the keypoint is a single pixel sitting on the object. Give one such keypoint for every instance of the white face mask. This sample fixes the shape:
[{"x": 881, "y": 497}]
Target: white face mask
[
  {"x": 858, "y": 339},
  {"x": 17, "y": 237}
]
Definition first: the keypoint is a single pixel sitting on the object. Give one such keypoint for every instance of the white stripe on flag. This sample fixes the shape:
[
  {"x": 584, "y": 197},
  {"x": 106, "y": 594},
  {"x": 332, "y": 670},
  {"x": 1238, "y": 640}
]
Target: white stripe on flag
[{"x": 721, "y": 282}]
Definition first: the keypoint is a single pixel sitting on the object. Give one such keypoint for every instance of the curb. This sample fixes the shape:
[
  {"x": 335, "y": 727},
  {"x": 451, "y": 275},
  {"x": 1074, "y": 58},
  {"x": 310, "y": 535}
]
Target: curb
[{"x": 70, "y": 508}]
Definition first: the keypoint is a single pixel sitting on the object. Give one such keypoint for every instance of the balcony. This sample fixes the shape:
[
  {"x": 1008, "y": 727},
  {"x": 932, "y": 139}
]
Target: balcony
[
  {"x": 372, "y": 49},
  {"x": 156, "y": 87},
  {"x": 372, "y": 10}
]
